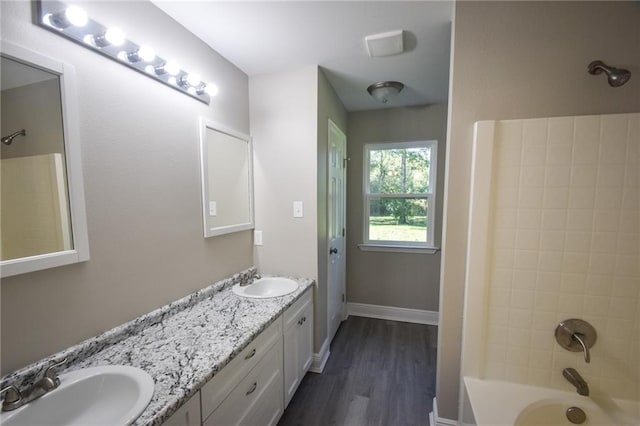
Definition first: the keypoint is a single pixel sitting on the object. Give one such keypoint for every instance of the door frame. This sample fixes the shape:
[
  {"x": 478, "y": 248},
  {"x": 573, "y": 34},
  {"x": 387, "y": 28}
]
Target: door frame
[{"x": 332, "y": 127}]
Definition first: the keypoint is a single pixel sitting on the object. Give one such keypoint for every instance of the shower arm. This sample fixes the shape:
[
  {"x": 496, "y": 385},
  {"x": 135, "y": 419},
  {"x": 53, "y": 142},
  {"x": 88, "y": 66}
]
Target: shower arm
[{"x": 8, "y": 140}]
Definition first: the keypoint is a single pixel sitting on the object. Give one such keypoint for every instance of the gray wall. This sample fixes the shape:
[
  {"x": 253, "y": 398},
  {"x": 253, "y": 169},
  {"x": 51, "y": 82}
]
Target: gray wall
[
  {"x": 290, "y": 142},
  {"x": 283, "y": 127},
  {"x": 520, "y": 60},
  {"x": 141, "y": 168},
  {"x": 381, "y": 278}
]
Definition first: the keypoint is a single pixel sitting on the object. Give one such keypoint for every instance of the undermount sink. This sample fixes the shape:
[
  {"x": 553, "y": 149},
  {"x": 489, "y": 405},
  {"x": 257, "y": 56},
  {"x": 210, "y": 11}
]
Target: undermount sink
[
  {"x": 267, "y": 287},
  {"x": 110, "y": 395}
]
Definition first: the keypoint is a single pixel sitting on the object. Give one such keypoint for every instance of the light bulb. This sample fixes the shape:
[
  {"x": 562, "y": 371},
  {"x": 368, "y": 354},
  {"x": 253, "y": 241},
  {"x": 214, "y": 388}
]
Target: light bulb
[
  {"x": 172, "y": 68},
  {"x": 146, "y": 53},
  {"x": 172, "y": 80},
  {"x": 114, "y": 36},
  {"x": 191, "y": 90},
  {"x": 150, "y": 69},
  {"x": 76, "y": 16},
  {"x": 211, "y": 89},
  {"x": 143, "y": 53},
  {"x": 193, "y": 79}
]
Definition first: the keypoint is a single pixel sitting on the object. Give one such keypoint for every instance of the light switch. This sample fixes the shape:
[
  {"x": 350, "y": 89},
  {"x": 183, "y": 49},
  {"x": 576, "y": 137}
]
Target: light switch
[
  {"x": 257, "y": 238},
  {"x": 297, "y": 209},
  {"x": 213, "y": 210}
]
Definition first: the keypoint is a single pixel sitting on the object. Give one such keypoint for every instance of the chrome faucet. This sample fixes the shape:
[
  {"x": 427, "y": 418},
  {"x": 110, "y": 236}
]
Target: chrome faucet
[
  {"x": 576, "y": 380},
  {"x": 247, "y": 282},
  {"x": 576, "y": 335},
  {"x": 14, "y": 398}
]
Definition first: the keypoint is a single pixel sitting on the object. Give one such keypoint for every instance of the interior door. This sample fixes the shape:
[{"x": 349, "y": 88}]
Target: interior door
[{"x": 336, "y": 298}]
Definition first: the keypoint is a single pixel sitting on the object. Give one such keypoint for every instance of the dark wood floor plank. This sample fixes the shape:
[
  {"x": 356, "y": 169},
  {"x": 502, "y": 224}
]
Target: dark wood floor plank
[{"x": 379, "y": 373}]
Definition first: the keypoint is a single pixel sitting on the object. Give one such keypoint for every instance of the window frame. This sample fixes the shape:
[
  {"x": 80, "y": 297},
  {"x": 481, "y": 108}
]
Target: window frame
[{"x": 430, "y": 197}]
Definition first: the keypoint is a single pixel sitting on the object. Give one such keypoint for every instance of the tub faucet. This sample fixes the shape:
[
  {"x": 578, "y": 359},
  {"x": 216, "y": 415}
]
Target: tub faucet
[{"x": 576, "y": 380}]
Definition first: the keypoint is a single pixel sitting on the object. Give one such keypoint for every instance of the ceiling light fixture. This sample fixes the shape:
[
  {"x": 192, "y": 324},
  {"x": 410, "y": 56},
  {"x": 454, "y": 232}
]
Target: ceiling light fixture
[
  {"x": 72, "y": 22},
  {"x": 383, "y": 91}
]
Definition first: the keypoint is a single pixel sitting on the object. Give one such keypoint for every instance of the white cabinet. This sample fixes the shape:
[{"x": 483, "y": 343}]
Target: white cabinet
[
  {"x": 298, "y": 344},
  {"x": 188, "y": 414},
  {"x": 249, "y": 390},
  {"x": 257, "y": 399},
  {"x": 245, "y": 389},
  {"x": 223, "y": 383}
]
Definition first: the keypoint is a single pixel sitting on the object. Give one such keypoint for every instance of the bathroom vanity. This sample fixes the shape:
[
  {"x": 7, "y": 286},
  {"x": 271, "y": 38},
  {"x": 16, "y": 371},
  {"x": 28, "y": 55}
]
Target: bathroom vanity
[
  {"x": 258, "y": 384},
  {"x": 215, "y": 357}
]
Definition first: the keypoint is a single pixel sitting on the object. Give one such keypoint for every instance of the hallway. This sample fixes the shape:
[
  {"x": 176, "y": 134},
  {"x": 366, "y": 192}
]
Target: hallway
[{"x": 379, "y": 373}]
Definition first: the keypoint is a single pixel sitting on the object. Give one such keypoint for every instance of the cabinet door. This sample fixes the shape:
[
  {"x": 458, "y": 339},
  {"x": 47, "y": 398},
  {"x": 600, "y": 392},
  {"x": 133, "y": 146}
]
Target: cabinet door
[
  {"x": 291, "y": 362},
  {"x": 187, "y": 415},
  {"x": 305, "y": 341},
  {"x": 298, "y": 345}
]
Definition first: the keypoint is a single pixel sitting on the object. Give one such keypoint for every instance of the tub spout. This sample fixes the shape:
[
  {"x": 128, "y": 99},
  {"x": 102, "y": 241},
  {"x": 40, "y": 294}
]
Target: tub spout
[{"x": 576, "y": 380}]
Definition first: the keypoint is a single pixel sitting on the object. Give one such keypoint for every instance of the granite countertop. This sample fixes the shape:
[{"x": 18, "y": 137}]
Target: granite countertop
[{"x": 183, "y": 350}]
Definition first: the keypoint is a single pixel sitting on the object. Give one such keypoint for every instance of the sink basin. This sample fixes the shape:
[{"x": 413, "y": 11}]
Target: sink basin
[
  {"x": 110, "y": 395},
  {"x": 267, "y": 287}
]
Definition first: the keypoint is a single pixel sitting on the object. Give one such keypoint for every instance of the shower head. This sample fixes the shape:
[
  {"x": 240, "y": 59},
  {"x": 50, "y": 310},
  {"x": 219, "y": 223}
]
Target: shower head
[
  {"x": 616, "y": 76},
  {"x": 7, "y": 140}
]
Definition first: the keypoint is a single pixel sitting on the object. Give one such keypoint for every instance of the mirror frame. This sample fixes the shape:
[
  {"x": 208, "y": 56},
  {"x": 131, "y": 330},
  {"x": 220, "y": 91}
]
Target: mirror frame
[
  {"x": 73, "y": 159},
  {"x": 206, "y": 124}
]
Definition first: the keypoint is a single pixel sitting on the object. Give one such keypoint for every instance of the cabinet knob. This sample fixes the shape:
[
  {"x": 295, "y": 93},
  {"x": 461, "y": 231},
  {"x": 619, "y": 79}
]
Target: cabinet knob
[
  {"x": 251, "y": 354},
  {"x": 253, "y": 388}
]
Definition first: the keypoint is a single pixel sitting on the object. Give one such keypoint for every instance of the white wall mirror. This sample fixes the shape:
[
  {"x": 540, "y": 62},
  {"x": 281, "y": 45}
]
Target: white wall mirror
[
  {"x": 42, "y": 207},
  {"x": 227, "y": 179}
]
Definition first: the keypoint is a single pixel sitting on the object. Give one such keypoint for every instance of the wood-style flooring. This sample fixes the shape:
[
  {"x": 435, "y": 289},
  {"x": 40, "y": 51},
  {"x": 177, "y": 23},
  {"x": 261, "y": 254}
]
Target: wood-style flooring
[{"x": 379, "y": 373}]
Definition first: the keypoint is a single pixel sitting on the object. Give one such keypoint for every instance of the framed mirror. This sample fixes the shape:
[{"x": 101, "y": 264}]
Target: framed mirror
[
  {"x": 42, "y": 208},
  {"x": 227, "y": 179}
]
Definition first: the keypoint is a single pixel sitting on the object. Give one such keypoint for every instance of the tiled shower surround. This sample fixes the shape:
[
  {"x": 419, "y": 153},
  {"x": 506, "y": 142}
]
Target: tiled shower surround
[{"x": 564, "y": 242}]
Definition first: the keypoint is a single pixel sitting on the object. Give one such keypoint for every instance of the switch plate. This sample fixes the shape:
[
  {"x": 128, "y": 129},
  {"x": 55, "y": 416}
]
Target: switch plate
[
  {"x": 297, "y": 209},
  {"x": 257, "y": 238},
  {"x": 213, "y": 208}
]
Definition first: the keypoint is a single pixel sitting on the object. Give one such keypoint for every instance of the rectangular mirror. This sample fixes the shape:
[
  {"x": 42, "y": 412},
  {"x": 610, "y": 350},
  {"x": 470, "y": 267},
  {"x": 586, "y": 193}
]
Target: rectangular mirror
[
  {"x": 42, "y": 207},
  {"x": 227, "y": 179}
]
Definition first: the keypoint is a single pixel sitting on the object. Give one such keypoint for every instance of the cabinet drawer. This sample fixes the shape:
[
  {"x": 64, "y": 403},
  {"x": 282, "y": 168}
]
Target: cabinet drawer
[
  {"x": 217, "y": 389},
  {"x": 258, "y": 397},
  {"x": 292, "y": 314}
]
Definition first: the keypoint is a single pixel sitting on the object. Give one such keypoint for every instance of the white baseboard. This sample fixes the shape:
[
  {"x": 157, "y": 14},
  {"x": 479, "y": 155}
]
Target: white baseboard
[
  {"x": 392, "y": 313},
  {"x": 320, "y": 359},
  {"x": 435, "y": 420}
]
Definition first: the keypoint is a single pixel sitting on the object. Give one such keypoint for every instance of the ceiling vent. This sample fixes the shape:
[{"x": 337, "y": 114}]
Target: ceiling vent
[{"x": 384, "y": 44}]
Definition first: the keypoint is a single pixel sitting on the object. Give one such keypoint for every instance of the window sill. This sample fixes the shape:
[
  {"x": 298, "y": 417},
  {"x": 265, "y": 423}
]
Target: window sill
[{"x": 398, "y": 248}]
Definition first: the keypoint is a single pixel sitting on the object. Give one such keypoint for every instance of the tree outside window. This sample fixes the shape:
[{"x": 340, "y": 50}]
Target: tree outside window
[{"x": 399, "y": 193}]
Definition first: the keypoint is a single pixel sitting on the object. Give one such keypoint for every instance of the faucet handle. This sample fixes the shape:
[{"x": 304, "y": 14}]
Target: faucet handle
[
  {"x": 576, "y": 335},
  {"x": 50, "y": 372},
  {"x": 585, "y": 348},
  {"x": 12, "y": 394}
]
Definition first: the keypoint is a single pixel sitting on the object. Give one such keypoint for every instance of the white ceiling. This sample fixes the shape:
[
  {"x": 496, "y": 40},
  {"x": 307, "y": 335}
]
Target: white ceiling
[{"x": 269, "y": 37}]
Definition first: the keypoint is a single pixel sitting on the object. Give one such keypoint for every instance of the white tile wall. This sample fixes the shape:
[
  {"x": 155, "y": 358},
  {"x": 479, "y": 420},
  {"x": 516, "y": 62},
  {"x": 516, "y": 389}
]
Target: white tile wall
[{"x": 565, "y": 243}]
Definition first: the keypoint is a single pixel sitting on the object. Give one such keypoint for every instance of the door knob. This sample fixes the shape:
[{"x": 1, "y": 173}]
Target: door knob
[{"x": 333, "y": 250}]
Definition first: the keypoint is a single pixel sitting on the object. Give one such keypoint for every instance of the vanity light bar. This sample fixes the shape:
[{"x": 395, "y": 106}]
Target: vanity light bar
[{"x": 72, "y": 22}]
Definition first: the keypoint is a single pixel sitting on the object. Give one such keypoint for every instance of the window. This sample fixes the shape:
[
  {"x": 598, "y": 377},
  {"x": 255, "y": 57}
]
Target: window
[{"x": 399, "y": 195}]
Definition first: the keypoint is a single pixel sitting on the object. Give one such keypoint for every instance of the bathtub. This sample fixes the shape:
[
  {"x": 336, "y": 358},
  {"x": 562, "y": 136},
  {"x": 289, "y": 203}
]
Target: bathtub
[{"x": 497, "y": 403}]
